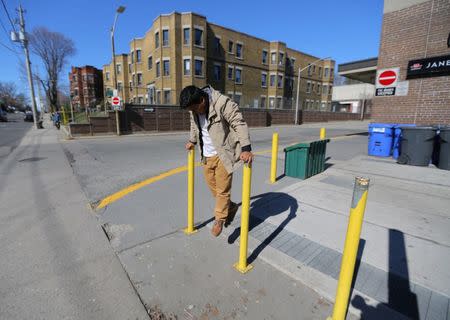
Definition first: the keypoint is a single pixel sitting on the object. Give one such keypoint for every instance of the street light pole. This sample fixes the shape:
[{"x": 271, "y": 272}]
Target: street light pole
[
  {"x": 298, "y": 85},
  {"x": 119, "y": 10}
]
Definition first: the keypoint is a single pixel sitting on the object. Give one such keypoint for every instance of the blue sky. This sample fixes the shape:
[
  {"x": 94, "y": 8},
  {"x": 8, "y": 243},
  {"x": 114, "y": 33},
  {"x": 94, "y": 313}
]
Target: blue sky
[{"x": 345, "y": 30}]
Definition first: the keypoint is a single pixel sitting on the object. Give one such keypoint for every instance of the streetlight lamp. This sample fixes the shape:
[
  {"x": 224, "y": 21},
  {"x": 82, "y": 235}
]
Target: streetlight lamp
[
  {"x": 119, "y": 10},
  {"x": 298, "y": 85}
]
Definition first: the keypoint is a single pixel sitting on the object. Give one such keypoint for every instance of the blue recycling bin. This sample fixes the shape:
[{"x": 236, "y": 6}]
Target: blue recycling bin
[
  {"x": 381, "y": 138},
  {"x": 398, "y": 139}
]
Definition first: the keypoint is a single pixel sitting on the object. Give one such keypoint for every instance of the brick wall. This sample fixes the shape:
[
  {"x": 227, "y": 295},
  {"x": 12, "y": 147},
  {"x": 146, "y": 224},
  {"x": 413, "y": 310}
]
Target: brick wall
[{"x": 416, "y": 32}]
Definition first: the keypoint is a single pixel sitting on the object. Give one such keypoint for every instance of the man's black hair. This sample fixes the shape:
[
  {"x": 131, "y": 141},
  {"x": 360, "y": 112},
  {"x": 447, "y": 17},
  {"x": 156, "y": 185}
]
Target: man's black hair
[{"x": 191, "y": 95}]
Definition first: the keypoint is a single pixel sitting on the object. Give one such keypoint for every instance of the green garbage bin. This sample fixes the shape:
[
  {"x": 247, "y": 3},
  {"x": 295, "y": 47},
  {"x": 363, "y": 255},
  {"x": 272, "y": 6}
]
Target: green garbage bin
[{"x": 303, "y": 160}]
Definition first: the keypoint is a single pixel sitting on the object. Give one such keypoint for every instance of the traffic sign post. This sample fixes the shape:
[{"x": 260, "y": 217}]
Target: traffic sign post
[
  {"x": 387, "y": 82},
  {"x": 116, "y": 104}
]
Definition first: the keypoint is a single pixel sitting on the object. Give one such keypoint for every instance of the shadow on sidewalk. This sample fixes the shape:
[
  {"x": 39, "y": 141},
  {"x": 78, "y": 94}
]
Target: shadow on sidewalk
[
  {"x": 267, "y": 205},
  {"x": 400, "y": 296}
]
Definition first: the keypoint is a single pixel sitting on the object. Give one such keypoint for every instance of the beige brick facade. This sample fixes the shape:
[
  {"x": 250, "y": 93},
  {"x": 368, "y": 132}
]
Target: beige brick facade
[{"x": 185, "y": 49}]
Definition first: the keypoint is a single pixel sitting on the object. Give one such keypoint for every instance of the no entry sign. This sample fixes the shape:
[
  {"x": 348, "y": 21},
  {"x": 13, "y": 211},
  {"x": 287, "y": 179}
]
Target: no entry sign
[
  {"x": 387, "y": 81},
  {"x": 115, "y": 101}
]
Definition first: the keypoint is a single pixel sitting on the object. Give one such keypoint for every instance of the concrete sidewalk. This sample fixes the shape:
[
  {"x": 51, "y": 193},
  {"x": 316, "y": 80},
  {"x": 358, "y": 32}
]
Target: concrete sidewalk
[
  {"x": 56, "y": 260},
  {"x": 405, "y": 244},
  {"x": 297, "y": 227}
]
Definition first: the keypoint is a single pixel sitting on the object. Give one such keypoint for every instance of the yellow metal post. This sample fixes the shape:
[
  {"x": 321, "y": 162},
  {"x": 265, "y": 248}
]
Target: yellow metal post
[
  {"x": 323, "y": 133},
  {"x": 351, "y": 248},
  {"x": 190, "y": 227},
  {"x": 273, "y": 167},
  {"x": 64, "y": 116},
  {"x": 242, "y": 265}
]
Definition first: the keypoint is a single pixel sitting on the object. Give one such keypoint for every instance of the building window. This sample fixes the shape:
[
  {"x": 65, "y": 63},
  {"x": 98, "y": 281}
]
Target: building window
[
  {"x": 166, "y": 96},
  {"x": 166, "y": 67},
  {"x": 314, "y": 68},
  {"x": 279, "y": 103},
  {"x": 325, "y": 89},
  {"x": 237, "y": 98},
  {"x": 264, "y": 80},
  {"x": 119, "y": 69},
  {"x": 198, "y": 67},
  {"x": 323, "y": 105},
  {"x": 132, "y": 56},
  {"x": 239, "y": 50},
  {"x": 129, "y": 68},
  {"x": 139, "y": 79},
  {"x": 217, "y": 45},
  {"x": 263, "y": 102},
  {"x": 312, "y": 87},
  {"x": 264, "y": 56},
  {"x": 280, "y": 58},
  {"x": 238, "y": 75},
  {"x": 293, "y": 62},
  {"x": 158, "y": 97},
  {"x": 230, "y": 46},
  {"x": 119, "y": 86},
  {"x": 76, "y": 92},
  {"x": 273, "y": 58},
  {"x": 134, "y": 80},
  {"x": 230, "y": 73},
  {"x": 138, "y": 56},
  {"x": 330, "y": 90},
  {"x": 186, "y": 36},
  {"x": 217, "y": 71},
  {"x": 331, "y": 72},
  {"x": 165, "y": 38},
  {"x": 326, "y": 73},
  {"x": 187, "y": 67},
  {"x": 318, "y": 88},
  {"x": 320, "y": 71},
  {"x": 157, "y": 40},
  {"x": 198, "y": 37},
  {"x": 150, "y": 63},
  {"x": 131, "y": 86},
  {"x": 107, "y": 76},
  {"x": 272, "y": 80},
  {"x": 271, "y": 102},
  {"x": 140, "y": 100},
  {"x": 308, "y": 87},
  {"x": 158, "y": 69},
  {"x": 309, "y": 69},
  {"x": 280, "y": 81}
]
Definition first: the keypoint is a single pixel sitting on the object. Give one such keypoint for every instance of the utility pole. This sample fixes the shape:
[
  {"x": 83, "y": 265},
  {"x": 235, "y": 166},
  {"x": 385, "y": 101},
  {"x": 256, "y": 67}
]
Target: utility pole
[{"x": 23, "y": 39}]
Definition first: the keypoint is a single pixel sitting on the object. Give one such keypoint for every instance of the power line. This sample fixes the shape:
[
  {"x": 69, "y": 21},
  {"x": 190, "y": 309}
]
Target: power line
[
  {"x": 12, "y": 50},
  {"x": 9, "y": 17}
]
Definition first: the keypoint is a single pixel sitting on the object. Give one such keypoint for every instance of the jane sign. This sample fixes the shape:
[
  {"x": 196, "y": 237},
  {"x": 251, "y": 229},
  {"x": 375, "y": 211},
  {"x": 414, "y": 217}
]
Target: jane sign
[{"x": 429, "y": 67}]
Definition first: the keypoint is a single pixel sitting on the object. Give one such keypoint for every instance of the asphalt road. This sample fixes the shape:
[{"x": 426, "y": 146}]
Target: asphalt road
[
  {"x": 11, "y": 133},
  {"x": 105, "y": 165}
]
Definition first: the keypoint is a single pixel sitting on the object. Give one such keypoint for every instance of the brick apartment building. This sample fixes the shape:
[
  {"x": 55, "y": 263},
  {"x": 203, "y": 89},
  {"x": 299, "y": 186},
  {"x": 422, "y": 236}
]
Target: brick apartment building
[
  {"x": 185, "y": 49},
  {"x": 416, "y": 38},
  {"x": 86, "y": 86}
]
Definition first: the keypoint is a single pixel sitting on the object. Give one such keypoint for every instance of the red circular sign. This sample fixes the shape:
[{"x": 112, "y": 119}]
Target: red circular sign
[
  {"x": 115, "y": 101},
  {"x": 387, "y": 77}
]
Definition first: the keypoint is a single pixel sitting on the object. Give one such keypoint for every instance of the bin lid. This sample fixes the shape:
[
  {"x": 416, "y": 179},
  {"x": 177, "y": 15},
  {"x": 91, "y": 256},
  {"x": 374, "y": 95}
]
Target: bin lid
[
  {"x": 306, "y": 144},
  {"x": 382, "y": 125}
]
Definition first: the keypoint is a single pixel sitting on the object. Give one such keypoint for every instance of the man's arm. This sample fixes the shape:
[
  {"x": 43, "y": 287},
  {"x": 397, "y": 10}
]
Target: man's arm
[
  {"x": 233, "y": 116},
  {"x": 193, "y": 132}
]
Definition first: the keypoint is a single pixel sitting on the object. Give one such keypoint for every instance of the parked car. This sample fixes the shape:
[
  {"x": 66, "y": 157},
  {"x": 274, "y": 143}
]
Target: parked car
[
  {"x": 28, "y": 116},
  {"x": 3, "y": 116}
]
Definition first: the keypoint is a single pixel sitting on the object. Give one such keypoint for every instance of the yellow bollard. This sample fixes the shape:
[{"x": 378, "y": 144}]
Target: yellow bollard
[
  {"x": 323, "y": 133},
  {"x": 273, "y": 166},
  {"x": 190, "y": 227},
  {"x": 242, "y": 265},
  {"x": 351, "y": 248},
  {"x": 64, "y": 116}
]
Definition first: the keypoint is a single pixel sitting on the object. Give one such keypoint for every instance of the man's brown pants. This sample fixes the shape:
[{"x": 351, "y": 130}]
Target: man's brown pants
[{"x": 219, "y": 182}]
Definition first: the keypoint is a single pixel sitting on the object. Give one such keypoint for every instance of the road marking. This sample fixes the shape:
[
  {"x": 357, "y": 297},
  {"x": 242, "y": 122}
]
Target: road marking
[{"x": 122, "y": 193}]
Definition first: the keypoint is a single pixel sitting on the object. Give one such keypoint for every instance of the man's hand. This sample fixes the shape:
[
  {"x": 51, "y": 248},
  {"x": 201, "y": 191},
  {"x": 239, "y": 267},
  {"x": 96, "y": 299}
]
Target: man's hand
[
  {"x": 189, "y": 146},
  {"x": 247, "y": 157}
]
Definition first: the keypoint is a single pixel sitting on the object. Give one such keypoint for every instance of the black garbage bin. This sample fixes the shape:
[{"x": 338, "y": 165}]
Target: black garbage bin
[
  {"x": 417, "y": 145},
  {"x": 444, "y": 152}
]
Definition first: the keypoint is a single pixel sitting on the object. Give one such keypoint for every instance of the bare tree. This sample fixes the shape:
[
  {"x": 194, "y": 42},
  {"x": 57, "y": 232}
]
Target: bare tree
[
  {"x": 53, "y": 48},
  {"x": 10, "y": 97}
]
